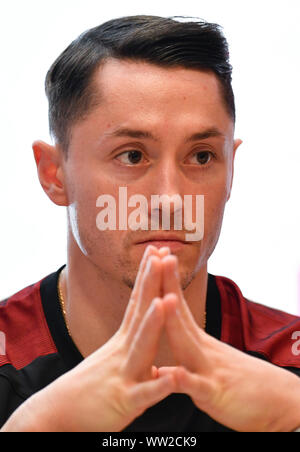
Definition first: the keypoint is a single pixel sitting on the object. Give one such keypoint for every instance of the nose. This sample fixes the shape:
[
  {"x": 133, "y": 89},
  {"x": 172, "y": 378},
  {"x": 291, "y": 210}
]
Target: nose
[
  {"x": 166, "y": 178},
  {"x": 166, "y": 198}
]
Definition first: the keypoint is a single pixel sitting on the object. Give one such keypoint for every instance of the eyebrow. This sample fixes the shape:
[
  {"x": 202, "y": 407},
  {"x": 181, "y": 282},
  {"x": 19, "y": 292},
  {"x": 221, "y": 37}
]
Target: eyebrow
[
  {"x": 140, "y": 134},
  {"x": 208, "y": 133},
  {"x": 131, "y": 133}
]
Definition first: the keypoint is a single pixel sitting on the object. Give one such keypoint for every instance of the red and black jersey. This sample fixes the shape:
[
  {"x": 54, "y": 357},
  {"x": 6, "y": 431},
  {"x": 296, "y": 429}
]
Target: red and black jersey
[{"x": 36, "y": 348}]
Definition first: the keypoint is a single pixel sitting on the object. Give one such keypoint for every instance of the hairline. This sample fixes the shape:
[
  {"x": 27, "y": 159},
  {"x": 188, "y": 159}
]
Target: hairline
[{"x": 97, "y": 96}]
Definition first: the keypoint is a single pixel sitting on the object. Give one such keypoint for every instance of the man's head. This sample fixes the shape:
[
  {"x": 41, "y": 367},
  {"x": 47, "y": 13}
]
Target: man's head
[
  {"x": 157, "y": 91},
  {"x": 161, "y": 41}
]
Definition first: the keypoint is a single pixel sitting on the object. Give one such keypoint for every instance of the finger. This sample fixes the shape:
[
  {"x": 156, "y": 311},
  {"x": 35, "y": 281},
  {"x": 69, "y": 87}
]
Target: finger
[
  {"x": 150, "y": 251},
  {"x": 154, "y": 372},
  {"x": 164, "y": 251},
  {"x": 150, "y": 284},
  {"x": 166, "y": 370},
  {"x": 144, "y": 346},
  {"x": 183, "y": 342},
  {"x": 151, "y": 392},
  {"x": 150, "y": 288},
  {"x": 171, "y": 284}
]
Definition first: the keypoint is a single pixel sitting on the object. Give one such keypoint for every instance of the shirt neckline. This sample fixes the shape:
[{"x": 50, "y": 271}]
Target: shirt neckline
[
  {"x": 63, "y": 341},
  {"x": 55, "y": 320}
]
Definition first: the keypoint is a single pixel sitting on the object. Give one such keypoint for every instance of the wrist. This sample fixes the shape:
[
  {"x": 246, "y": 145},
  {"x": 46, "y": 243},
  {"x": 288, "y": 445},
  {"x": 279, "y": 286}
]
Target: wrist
[
  {"x": 295, "y": 411},
  {"x": 34, "y": 415},
  {"x": 291, "y": 417}
]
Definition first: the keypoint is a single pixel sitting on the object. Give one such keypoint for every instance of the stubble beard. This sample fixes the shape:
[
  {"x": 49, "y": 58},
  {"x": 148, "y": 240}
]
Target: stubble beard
[{"x": 185, "y": 280}]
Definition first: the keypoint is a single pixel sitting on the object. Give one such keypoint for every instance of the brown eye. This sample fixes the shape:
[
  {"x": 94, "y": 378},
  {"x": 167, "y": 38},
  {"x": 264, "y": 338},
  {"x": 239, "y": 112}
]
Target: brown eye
[
  {"x": 203, "y": 157},
  {"x": 130, "y": 157}
]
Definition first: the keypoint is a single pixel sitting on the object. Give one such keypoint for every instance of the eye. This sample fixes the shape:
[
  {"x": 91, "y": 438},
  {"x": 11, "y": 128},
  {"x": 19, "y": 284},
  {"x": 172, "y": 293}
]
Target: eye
[
  {"x": 130, "y": 157},
  {"x": 201, "y": 157}
]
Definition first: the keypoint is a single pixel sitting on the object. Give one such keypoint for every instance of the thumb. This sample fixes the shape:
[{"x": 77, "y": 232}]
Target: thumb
[{"x": 162, "y": 371}]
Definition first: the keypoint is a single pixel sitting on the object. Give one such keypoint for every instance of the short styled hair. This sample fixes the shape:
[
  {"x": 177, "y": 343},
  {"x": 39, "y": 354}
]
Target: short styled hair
[{"x": 166, "y": 42}]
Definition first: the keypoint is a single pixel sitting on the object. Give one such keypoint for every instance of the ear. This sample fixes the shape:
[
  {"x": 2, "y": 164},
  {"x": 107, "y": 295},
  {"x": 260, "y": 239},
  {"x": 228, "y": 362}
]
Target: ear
[
  {"x": 49, "y": 161},
  {"x": 236, "y": 144}
]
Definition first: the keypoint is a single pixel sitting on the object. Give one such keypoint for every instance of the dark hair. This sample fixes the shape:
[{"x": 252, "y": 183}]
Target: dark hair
[{"x": 162, "y": 41}]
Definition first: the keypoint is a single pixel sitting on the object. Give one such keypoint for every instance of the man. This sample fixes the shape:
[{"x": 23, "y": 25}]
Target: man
[{"x": 132, "y": 333}]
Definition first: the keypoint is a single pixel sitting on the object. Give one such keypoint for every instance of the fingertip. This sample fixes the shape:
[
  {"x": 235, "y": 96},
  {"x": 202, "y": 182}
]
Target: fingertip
[
  {"x": 170, "y": 259},
  {"x": 150, "y": 250},
  {"x": 168, "y": 381},
  {"x": 170, "y": 301},
  {"x": 164, "y": 251},
  {"x": 171, "y": 295},
  {"x": 156, "y": 308},
  {"x": 165, "y": 370},
  {"x": 155, "y": 260},
  {"x": 156, "y": 302},
  {"x": 154, "y": 372}
]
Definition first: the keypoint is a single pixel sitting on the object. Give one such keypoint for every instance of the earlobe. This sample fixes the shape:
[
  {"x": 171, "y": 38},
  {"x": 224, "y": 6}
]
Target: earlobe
[{"x": 50, "y": 172}]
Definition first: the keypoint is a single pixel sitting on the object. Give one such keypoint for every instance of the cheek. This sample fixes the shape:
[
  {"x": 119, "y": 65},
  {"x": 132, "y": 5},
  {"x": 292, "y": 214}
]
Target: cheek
[
  {"x": 103, "y": 247},
  {"x": 82, "y": 224},
  {"x": 214, "y": 212},
  {"x": 214, "y": 206},
  {"x": 99, "y": 246},
  {"x": 82, "y": 210}
]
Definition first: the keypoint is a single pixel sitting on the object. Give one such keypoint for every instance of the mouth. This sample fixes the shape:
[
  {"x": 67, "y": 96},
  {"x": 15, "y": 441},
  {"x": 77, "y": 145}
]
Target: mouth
[{"x": 173, "y": 242}]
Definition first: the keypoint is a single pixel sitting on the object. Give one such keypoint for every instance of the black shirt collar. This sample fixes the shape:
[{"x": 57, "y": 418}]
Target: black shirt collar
[
  {"x": 64, "y": 343},
  {"x": 56, "y": 323}
]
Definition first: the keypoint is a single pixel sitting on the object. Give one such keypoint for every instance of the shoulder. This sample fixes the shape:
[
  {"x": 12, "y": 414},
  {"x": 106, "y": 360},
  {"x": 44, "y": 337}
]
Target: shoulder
[
  {"x": 24, "y": 332},
  {"x": 255, "y": 328}
]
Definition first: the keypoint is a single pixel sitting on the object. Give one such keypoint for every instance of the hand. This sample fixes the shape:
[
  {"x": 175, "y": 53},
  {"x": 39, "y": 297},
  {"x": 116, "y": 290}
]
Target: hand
[
  {"x": 237, "y": 390},
  {"x": 115, "y": 384}
]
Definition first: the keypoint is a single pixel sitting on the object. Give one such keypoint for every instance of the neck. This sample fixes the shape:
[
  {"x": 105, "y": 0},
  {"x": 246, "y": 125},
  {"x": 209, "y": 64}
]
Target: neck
[{"x": 95, "y": 304}]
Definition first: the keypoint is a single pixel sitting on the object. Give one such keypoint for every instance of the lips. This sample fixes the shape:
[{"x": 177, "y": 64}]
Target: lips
[
  {"x": 174, "y": 242},
  {"x": 162, "y": 238}
]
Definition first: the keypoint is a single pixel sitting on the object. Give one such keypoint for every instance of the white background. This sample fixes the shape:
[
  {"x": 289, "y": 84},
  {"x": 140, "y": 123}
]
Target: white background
[{"x": 259, "y": 245}]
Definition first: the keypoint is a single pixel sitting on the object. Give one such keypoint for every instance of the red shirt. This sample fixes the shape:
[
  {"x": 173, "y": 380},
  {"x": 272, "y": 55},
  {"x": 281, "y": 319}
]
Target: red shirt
[{"x": 38, "y": 348}]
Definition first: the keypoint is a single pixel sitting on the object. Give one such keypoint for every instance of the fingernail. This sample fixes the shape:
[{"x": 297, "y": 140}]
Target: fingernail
[
  {"x": 148, "y": 249},
  {"x": 165, "y": 249}
]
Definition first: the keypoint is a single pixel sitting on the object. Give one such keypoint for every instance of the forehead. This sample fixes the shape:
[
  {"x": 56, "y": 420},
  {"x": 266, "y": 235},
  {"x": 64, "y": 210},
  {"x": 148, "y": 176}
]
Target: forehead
[{"x": 133, "y": 92}]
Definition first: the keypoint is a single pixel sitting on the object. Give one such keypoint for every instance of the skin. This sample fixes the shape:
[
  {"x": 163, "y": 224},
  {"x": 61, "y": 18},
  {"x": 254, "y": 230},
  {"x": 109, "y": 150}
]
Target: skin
[
  {"x": 172, "y": 105},
  {"x": 138, "y": 352},
  {"x": 118, "y": 379},
  {"x": 117, "y": 382}
]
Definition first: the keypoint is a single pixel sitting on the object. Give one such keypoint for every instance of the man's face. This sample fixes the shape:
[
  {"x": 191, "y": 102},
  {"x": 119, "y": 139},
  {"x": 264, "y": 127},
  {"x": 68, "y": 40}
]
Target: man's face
[{"x": 145, "y": 135}]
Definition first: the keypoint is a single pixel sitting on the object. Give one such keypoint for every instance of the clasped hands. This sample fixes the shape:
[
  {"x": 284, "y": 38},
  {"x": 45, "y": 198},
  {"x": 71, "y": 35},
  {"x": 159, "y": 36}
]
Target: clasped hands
[{"x": 118, "y": 382}]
